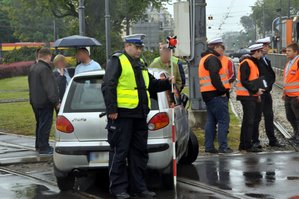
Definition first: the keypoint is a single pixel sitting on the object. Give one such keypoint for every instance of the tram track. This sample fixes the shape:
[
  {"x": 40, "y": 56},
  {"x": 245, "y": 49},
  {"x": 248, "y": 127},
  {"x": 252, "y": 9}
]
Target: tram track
[
  {"x": 199, "y": 186},
  {"x": 279, "y": 126},
  {"x": 49, "y": 183}
]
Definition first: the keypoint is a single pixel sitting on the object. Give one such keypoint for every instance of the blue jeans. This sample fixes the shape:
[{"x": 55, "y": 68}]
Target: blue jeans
[
  {"x": 218, "y": 114},
  {"x": 44, "y": 120}
]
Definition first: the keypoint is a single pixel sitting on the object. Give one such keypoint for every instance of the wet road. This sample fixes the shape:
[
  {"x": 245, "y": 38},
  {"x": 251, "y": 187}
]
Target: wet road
[
  {"x": 270, "y": 175},
  {"x": 264, "y": 175}
]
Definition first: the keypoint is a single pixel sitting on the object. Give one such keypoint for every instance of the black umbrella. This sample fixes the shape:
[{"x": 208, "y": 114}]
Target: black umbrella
[{"x": 76, "y": 41}]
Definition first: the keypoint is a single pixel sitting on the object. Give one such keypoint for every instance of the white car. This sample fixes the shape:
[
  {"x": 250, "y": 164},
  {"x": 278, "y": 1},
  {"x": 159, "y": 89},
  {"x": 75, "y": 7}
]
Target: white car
[{"x": 81, "y": 138}]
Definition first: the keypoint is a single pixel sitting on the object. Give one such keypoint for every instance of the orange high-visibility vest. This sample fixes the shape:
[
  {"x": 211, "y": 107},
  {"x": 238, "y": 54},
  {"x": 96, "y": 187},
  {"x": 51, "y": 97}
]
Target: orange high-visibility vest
[
  {"x": 291, "y": 80},
  {"x": 254, "y": 74},
  {"x": 205, "y": 82},
  {"x": 225, "y": 62}
]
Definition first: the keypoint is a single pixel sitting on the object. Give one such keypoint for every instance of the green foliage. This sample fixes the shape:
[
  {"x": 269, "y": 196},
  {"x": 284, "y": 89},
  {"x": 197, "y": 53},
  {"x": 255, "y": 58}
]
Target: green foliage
[
  {"x": 22, "y": 54},
  {"x": 34, "y": 21},
  {"x": 267, "y": 10},
  {"x": 6, "y": 31},
  {"x": 150, "y": 56}
]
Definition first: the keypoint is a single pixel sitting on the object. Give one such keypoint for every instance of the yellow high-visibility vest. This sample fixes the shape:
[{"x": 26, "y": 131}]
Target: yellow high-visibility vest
[{"x": 127, "y": 91}]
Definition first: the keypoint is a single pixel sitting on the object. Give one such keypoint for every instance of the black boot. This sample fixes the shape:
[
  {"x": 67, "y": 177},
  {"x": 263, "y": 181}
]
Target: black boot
[{"x": 295, "y": 131}]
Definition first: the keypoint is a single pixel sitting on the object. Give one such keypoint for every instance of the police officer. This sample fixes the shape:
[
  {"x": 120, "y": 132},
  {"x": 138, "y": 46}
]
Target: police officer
[
  {"x": 228, "y": 63},
  {"x": 265, "y": 106},
  {"x": 126, "y": 89},
  {"x": 291, "y": 88},
  {"x": 248, "y": 92},
  {"x": 214, "y": 87}
]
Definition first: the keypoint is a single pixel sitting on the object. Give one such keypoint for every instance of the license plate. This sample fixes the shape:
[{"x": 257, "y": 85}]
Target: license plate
[{"x": 98, "y": 157}]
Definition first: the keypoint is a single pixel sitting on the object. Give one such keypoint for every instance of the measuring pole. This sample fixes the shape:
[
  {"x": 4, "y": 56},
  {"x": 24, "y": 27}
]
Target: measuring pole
[{"x": 171, "y": 45}]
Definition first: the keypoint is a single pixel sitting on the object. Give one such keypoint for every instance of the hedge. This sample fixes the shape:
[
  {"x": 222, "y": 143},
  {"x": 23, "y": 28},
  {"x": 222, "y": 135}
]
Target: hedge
[{"x": 15, "y": 69}]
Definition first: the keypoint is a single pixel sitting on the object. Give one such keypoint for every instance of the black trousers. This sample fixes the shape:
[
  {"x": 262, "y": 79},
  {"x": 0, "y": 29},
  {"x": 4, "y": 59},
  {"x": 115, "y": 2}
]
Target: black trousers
[
  {"x": 292, "y": 112},
  {"x": 249, "y": 107},
  {"x": 44, "y": 121},
  {"x": 128, "y": 141},
  {"x": 264, "y": 107}
]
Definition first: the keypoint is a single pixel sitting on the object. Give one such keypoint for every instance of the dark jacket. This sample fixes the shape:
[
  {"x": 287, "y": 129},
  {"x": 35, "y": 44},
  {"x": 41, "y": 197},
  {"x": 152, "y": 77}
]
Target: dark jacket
[
  {"x": 267, "y": 72},
  {"x": 113, "y": 72},
  {"x": 249, "y": 85},
  {"x": 183, "y": 75},
  {"x": 43, "y": 90},
  {"x": 61, "y": 81},
  {"x": 213, "y": 65}
]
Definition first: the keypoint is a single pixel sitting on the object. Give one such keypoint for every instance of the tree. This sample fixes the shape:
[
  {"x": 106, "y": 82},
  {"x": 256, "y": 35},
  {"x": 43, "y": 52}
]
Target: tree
[
  {"x": 33, "y": 21},
  {"x": 6, "y": 30},
  {"x": 247, "y": 22},
  {"x": 265, "y": 11},
  {"x": 120, "y": 10}
]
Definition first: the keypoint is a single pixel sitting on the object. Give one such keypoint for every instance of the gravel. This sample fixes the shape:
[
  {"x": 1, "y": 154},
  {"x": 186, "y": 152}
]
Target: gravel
[{"x": 279, "y": 115}]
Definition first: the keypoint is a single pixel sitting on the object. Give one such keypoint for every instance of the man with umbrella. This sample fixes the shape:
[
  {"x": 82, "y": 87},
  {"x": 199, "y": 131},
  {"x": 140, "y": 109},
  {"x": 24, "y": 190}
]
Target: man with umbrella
[
  {"x": 87, "y": 64},
  {"x": 126, "y": 89},
  {"x": 80, "y": 42}
]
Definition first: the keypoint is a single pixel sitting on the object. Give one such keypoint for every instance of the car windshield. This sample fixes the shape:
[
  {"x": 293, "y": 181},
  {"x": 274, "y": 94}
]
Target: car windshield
[{"x": 85, "y": 95}]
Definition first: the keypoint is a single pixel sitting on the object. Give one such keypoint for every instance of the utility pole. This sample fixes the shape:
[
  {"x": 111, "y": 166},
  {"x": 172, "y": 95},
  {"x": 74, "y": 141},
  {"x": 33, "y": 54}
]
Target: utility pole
[
  {"x": 107, "y": 30},
  {"x": 264, "y": 21},
  {"x": 280, "y": 28},
  {"x": 81, "y": 18},
  {"x": 54, "y": 30},
  {"x": 198, "y": 108},
  {"x": 200, "y": 38},
  {"x": 127, "y": 19}
]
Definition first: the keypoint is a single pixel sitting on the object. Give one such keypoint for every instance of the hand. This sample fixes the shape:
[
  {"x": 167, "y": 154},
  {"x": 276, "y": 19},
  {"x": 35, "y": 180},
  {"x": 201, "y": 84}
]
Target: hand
[
  {"x": 171, "y": 79},
  {"x": 113, "y": 116},
  {"x": 283, "y": 97},
  {"x": 224, "y": 95},
  {"x": 58, "y": 106},
  {"x": 260, "y": 91},
  {"x": 61, "y": 71}
]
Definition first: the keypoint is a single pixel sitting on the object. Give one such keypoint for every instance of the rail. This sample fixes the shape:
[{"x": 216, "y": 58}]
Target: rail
[
  {"x": 277, "y": 60},
  {"x": 78, "y": 194}
]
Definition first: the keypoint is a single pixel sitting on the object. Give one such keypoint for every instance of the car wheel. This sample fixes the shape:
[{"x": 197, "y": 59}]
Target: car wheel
[
  {"x": 66, "y": 183},
  {"x": 167, "y": 179},
  {"x": 191, "y": 154}
]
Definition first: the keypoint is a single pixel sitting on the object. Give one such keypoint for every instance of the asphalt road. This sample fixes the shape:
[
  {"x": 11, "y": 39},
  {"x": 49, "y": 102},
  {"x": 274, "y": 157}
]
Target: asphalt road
[{"x": 26, "y": 175}]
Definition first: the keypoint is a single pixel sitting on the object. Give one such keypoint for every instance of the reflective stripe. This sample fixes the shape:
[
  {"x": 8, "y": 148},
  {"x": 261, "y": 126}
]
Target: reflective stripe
[
  {"x": 127, "y": 94},
  {"x": 291, "y": 90},
  {"x": 292, "y": 84},
  {"x": 254, "y": 74},
  {"x": 208, "y": 77},
  {"x": 205, "y": 81}
]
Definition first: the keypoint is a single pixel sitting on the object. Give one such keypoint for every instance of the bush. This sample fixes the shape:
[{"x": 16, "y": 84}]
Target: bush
[
  {"x": 19, "y": 55},
  {"x": 150, "y": 56},
  {"x": 15, "y": 69}
]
